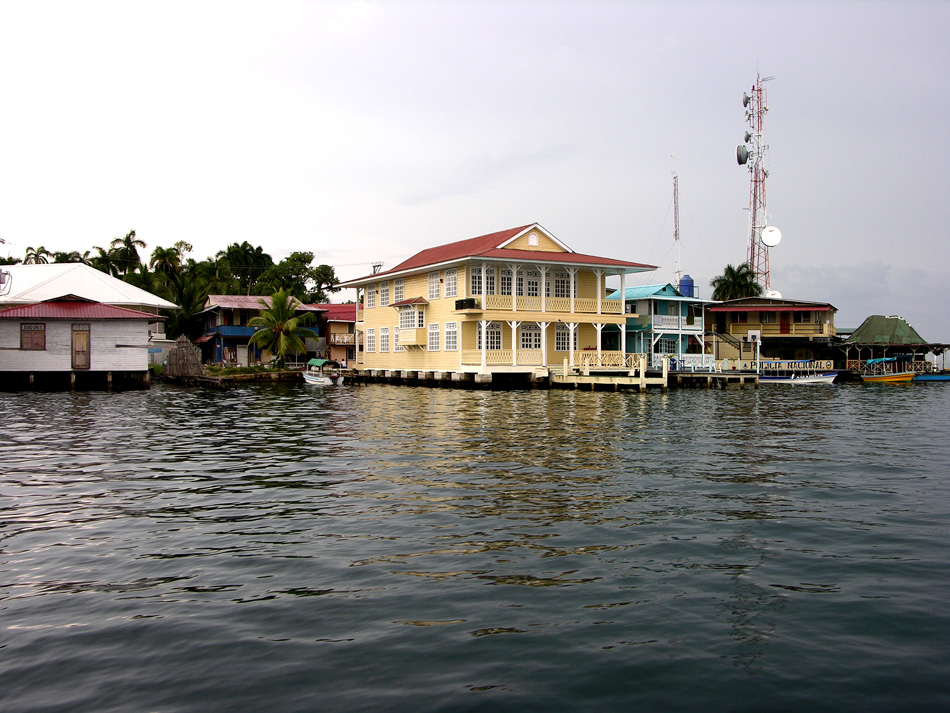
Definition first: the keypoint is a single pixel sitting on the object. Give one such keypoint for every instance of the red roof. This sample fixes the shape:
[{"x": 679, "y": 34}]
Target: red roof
[
  {"x": 74, "y": 309},
  {"x": 412, "y": 301},
  {"x": 492, "y": 247},
  {"x": 339, "y": 313},
  {"x": 249, "y": 302}
]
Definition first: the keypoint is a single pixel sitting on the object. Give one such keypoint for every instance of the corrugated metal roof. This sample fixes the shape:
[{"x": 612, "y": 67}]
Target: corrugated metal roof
[
  {"x": 770, "y": 304},
  {"x": 492, "y": 246},
  {"x": 250, "y": 302},
  {"x": 339, "y": 312},
  {"x": 74, "y": 309},
  {"x": 37, "y": 283},
  {"x": 642, "y": 292}
]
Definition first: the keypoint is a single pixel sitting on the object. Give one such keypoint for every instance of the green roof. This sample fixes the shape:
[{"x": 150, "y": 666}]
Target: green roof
[{"x": 878, "y": 329}]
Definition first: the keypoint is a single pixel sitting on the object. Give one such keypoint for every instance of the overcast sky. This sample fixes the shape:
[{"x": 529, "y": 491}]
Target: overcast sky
[{"x": 366, "y": 131}]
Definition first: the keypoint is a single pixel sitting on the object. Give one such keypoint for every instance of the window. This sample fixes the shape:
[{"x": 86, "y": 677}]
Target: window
[
  {"x": 494, "y": 336},
  {"x": 399, "y": 289},
  {"x": 504, "y": 287},
  {"x": 801, "y": 317},
  {"x": 451, "y": 283},
  {"x": 371, "y": 339},
  {"x": 371, "y": 296},
  {"x": 767, "y": 317},
  {"x": 33, "y": 336},
  {"x": 384, "y": 339},
  {"x": 433, "y": 342},
  {"x": 451, "y": 336},
  {"x": 407, "y": 317},
  {"x": 533, "y": 240},
  {"x": 490, "y": 281},
  {"x": 739, "y": 318},
  {"x": 530, "y": 336},
  {"x": 435, "y": 288},
  {"x": 534, "y": 284},
  {"x": 562, "y": 339},
  {"x": 383, "y": 294},
  {"x": 397, "y": 347},
  {"x": 476, "y": 282},
  {"x": 562, "y": 285},
  {"x": 667, "y": 346},
  {"x": 420, "y": 317}
]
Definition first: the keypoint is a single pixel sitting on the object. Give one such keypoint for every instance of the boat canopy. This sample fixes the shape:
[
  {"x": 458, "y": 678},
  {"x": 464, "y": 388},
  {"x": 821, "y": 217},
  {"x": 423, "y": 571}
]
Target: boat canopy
[
  {"x": 885, "y": 360},
  {"x": 322, "y": 362}
]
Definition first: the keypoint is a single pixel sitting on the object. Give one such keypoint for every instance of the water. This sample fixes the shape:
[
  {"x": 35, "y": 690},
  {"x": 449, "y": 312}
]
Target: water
[{"x": 379, "y": 548}]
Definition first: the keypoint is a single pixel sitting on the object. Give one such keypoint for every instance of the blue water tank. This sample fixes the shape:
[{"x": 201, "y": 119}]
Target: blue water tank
[{"x": 687, "y": 286}]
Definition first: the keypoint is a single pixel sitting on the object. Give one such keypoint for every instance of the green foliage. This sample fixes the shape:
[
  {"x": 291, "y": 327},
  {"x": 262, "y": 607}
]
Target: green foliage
[
  {"x": 37, "y": 256},
  {"x": 296, "y": 275},
  {"x": 735, "y": 283},
  {"x": 281, "y": 329}
]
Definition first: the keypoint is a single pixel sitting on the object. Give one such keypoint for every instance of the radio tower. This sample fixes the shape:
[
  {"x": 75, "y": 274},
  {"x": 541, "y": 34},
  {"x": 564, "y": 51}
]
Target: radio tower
[{"x": 753, "y": 153}]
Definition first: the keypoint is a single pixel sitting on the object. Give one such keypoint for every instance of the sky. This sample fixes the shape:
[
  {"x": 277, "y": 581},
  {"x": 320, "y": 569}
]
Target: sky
[{"x": 367, "y": 131}]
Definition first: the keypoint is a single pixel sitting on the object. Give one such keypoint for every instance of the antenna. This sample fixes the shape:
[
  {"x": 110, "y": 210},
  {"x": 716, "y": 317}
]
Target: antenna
[
  {"x": 676, "y": 222},
  {"x": 753, "y": 154},
  {"x": 376, "y": 267}
]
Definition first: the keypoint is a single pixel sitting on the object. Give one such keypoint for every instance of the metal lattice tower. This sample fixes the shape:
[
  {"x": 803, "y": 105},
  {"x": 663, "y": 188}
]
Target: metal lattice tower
[{"x": 753, "y": 154}]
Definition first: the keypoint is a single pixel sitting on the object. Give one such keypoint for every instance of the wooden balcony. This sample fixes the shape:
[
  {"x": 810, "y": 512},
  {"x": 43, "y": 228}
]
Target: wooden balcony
[
  {"x": 342, "y": 340},
  {"x": 582, "y": 305}
]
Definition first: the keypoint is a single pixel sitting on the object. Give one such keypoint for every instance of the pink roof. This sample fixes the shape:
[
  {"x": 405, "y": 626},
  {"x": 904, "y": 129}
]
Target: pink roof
[
  {"x": 74, "y": 309},
  {"x": 492, "y": 247},
  {"x": 339, "y": 313}
]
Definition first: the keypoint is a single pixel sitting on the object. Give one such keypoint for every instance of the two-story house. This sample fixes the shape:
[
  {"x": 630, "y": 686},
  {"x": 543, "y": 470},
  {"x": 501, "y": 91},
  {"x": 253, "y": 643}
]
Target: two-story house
[
  {"x": 341, "y": 332},
  {"x": 227, "y": 331},
  {"x": 664, "y": 323},
  {"x": 787, "y": 330},
  {"x": 513, "y": 302}
]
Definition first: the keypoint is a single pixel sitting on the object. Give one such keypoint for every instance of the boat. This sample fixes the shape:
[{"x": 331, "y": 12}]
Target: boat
[
  {"x": 827, "y": 377},
  {"x": 323, "y": 372},
  {"x": 888, "y": 370},
  {"x": 930, "y": 376}
]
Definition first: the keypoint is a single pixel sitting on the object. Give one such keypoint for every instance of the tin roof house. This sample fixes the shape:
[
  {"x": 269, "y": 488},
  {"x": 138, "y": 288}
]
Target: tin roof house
[
  {"x": 519, "y": 301},
  {"x": 227, "y": 334},
  {"x": 663, "y": 322}
]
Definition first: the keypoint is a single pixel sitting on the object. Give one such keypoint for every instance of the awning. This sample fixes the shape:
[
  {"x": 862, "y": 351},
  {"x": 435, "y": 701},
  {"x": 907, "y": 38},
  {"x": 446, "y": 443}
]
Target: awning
[{"x": 205, "y": 338}]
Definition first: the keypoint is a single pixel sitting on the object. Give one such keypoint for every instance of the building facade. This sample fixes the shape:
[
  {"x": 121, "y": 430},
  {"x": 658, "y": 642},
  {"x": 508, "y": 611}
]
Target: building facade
[
  {"x": 341, "y": 332},
  {"x": 516, "y": 301}
]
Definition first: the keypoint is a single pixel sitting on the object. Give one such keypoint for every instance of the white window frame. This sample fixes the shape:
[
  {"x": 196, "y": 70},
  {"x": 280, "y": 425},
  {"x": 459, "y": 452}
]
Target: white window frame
[
  {"x": 407, "y": 317},
  {"x": 371, "y": 339},
  {"x": 493, "y": 335},
  {"x": 371, "y": 296},
  {"x": 451, "y": 337},
  {"x": 504, "y": 282},
  {"x": 384, "y": 294},
  {"x": 435, "y": 286},
  {"x": 451, "y": 282},
  {"x": 434, "y": 334},
  {"x": 562, "y": 338},
  {"x": 384, "y": 339},
  {"x": 562, "y": 284},
  {"x": 399, "y": 290},
  {"x": 530, "y": 337},
  {"x": 476, "y": 282}
]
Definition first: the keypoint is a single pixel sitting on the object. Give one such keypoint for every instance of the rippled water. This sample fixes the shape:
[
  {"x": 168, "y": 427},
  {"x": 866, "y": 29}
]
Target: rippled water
[{"x": 379, "y": 548}]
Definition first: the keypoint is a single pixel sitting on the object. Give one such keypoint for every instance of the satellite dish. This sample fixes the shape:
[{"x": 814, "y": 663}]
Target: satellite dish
[
  {"x": 742, "y": 155},
  {"x": 771, "y": 236},
  {"x": 774, "y": 295},
  {"x": 745, "y": 99},
  {"x": 748, "y": 137}
]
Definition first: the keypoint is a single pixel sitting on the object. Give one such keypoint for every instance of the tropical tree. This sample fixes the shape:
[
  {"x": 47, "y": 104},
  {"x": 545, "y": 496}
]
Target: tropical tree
[
  {"x": 105, "y": 261},
  {"x": 126, "y": 252},
  {"x": 281, "y": 330},
  {"x": 165, "y": 260},
  {"x": 71, "y": 256},
  {"x": 37, "y": 256},
  {"x": 246, "y": 262},
  {"x": 735, "y": 283}
]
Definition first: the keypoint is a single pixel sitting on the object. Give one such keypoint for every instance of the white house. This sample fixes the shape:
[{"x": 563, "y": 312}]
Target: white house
[
  {"x": 73, "y": 343},
  {"x": 29, "y": 284}
]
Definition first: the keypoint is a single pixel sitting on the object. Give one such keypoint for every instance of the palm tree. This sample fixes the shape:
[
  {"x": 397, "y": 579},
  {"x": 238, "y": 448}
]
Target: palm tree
[
  {"x": 165, "y": 260},
  {"x": 246, "y": 262},
  {"x": 126, "y": 252},
  {"x": 281, "y": 331},
  {"x": 735, "y": 283},
  {"x": 105, "y": 261},
  {"x": 37, "y": 256}
]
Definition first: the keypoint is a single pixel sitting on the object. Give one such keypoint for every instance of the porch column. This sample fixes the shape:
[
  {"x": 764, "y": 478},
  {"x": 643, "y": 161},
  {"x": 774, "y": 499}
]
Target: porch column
[
  {"x": 572, "y": 271},
  {"x": 572, "y": 327},
  {"x": 484, "y": 292},
  {"x": 600, "y": 292},
  {"x": 600, "y": 328},
  {"x": 514, "y": 342},
  {"x": 483, "y": 326},
  {"x": 544, "y": 342}
]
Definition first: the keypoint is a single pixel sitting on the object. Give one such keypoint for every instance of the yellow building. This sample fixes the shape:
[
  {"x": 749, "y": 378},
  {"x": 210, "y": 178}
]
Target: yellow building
[{"x": 518, "y": 301}]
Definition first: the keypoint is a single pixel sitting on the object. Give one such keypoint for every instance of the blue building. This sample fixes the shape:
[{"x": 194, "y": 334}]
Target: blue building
[
  {"x": 663, "y": 322},
  {"x": 227, "y": 333}
]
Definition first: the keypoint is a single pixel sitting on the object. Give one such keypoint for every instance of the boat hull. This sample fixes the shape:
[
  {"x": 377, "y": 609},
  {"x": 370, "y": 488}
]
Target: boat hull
[
  {"x": 820, "y": 378},
  {"x": 321, "y": 380},
  {"x": 901, "y": 377}
]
